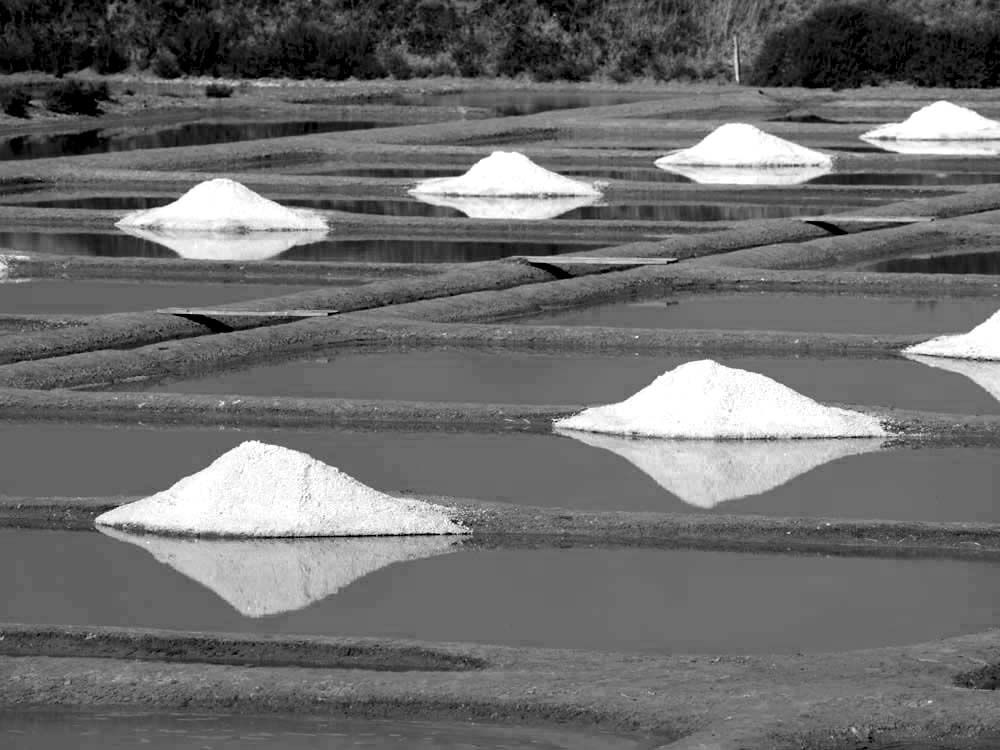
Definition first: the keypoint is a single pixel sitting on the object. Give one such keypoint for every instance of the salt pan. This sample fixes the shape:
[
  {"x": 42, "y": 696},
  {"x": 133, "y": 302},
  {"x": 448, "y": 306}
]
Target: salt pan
[
  {"x": 223, "y": 205},
  {"x": 262, "y": 577},
  {"x": 746, "y": 175},
  {"x": 938, "y": 148},
  {"x": 982, "y": 342},
  {"x": 984, "y": 374},
  {"x": 229, "y": 246},
  {"x": 705, "y": 473},
  {"x": 520, "y": 209},
  {"x": 506, "y": 173},
  {"x": 261, "y": 490},
  {"x": 706, "y": 400},
  {"x": 940, "y": 121},
  {"x": 741, "y": 145}
]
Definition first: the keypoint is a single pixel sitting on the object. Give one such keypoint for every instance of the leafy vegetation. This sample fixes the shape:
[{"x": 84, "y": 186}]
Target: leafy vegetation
[{"x": 800, "y": 42}]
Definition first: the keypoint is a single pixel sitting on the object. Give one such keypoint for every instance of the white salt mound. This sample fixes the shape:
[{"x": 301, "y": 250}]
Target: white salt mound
[
  {"x": 261, "y": 490},
  {"x": 940, "y": 121},
  {"x": 937, "y": 148},
  {"x": 223, "y": 205},
  {"x": 982, "y": 342},
  {"x": 227, "y": 246},
  {"x": 519, "y": 209},
  {"x": 262, "y": 577},
  {"x": 705, "y": 473},
  {"x": 506, "y": 173},
  {"x": 737, "y": 144},
  {"x": 706, "y": 400}
]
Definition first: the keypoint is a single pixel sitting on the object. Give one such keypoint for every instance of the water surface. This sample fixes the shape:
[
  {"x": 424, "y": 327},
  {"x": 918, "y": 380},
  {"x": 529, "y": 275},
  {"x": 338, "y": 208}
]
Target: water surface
[
  {"x": 984, "y": 263},
  {"x": 99, "y": 141},
  {"x": 775, "y": 311},
  {"x": 641, "y": 601},
  {"x": 854, "y": 479}
]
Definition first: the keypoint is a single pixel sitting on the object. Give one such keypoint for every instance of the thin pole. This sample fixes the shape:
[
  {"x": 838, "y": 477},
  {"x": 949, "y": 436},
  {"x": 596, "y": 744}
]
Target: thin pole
[{"x": 736, "y": 58}]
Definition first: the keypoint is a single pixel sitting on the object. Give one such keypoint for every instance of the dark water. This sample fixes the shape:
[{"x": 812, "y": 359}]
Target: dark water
[
  {"x": 702, "y": 211},
  {"x": 783, "y": 312},
  {"x": 515, "y": 103},
  {"x": 907, "y": 178},
  {"x": 801, "y": 478},
  {"x": 51, "y": 730},
  {"x": 527, "y": 378},
  {"x": 98, "y": 141},
  {"x": 388, "y": 250},
  {"x": 645, "y": 601},
  {"x": 92, "y": 297},
  {"x": 985, "y": 263}
]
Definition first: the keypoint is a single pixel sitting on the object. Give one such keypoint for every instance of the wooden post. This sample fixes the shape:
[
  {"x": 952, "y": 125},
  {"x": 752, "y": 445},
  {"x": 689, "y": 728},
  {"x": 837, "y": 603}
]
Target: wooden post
[{"x": 736, "y": 59}]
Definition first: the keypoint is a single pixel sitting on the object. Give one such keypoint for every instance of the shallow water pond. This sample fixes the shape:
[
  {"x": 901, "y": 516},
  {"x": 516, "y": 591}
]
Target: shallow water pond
[
  {"x": 775, "y": 311},
  {"x": 516, "y": 103},
  {"x": 98, "y": 297},
  {"x": 118, "y": 730},
  {"x": 984, "y": 263},
  {"x": 502, "y": 377},
  {"x": 375, "y": 250},
  {"x": 99, "y": 141},
  {"x": 824, "y": 478},
  {"x": 664, "y": 601}
]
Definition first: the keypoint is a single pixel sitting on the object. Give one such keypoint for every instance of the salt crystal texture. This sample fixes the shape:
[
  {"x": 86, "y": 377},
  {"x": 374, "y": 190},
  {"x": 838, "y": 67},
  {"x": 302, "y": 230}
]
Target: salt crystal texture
[
  {"x": 262, "y": 577},
  {"x": 223, "y": 205},
  {"x": 940, "y": 121},
  {"x": 737, "y": 144},
  {"x": 982, "y": 342},
  {"x": 505, "y": 173},
  {"x": 984, "y": 374},
  {"x": 229, "y": 246},
  {"x": 705, "y": 473},
  {"x": 261, "y": 490},
  {"x": 706, "y": 400},
  {"x": 520, "y": 209}
]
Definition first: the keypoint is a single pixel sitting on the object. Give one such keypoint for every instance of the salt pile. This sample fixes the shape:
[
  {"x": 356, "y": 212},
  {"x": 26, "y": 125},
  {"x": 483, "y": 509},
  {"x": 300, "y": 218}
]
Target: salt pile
[
  {"x": 261, "y": 490},
  {"x": 737, "y": 144},
  {"x": 706, "y": 400},
  {"x": 984, "y": 374},
  {"x": 982, "y": 342},
  {"x": 518, "y": 209},
  {"x": 505, "y": 173},
  {"x": 264, "y": 577},
  {"x": 940, "y": 121},
  {"x": 223, "y": 205},
  {"x": 938, "y": 148},
  {"x": 706, "y": 473},
  {"x": 230, "y": 246}
]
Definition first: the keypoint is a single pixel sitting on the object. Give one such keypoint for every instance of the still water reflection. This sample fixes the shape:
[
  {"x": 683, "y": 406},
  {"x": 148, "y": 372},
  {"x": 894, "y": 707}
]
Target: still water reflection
[{"x": 98, "y": 141}]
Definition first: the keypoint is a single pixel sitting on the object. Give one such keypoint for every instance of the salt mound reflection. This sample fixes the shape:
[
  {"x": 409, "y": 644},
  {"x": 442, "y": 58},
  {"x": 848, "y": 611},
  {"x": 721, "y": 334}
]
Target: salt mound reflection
[
  {"x": 521, "y": 209},
  {"x": 706, "y": 473},
  {"x": 985, "y": 374},
  {"x": 938, "y": 148},
  {"x": 270, "y": 576},
  {"x": 227, "y": 246},
  {"x": 747, "y": 175}
]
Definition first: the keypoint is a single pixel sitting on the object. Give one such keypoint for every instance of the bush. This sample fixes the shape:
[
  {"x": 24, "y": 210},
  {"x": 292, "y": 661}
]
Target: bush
[
  {"x": 218, "y": 91},
  {"x": 838, "y": 46},
  {"x": 165, "y": 64},
  {"x": 73, "y": 97},
  {"x": 14, "y": 102}
]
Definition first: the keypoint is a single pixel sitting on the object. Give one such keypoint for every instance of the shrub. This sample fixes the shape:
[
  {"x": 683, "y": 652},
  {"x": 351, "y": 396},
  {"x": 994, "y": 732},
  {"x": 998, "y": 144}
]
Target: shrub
[
  {"x": 73, "y": 97},
  {"x": 843, "y": 45},
  {"x": 165, "y": 64},
  {"x": 14, "y": 102},
  {"x": 218, "y": 91}
]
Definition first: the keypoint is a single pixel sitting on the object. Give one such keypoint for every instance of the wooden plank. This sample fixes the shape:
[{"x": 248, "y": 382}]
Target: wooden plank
[
  {"x": 591, "y": 260},
  {"x": 206, "y": 312}
]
